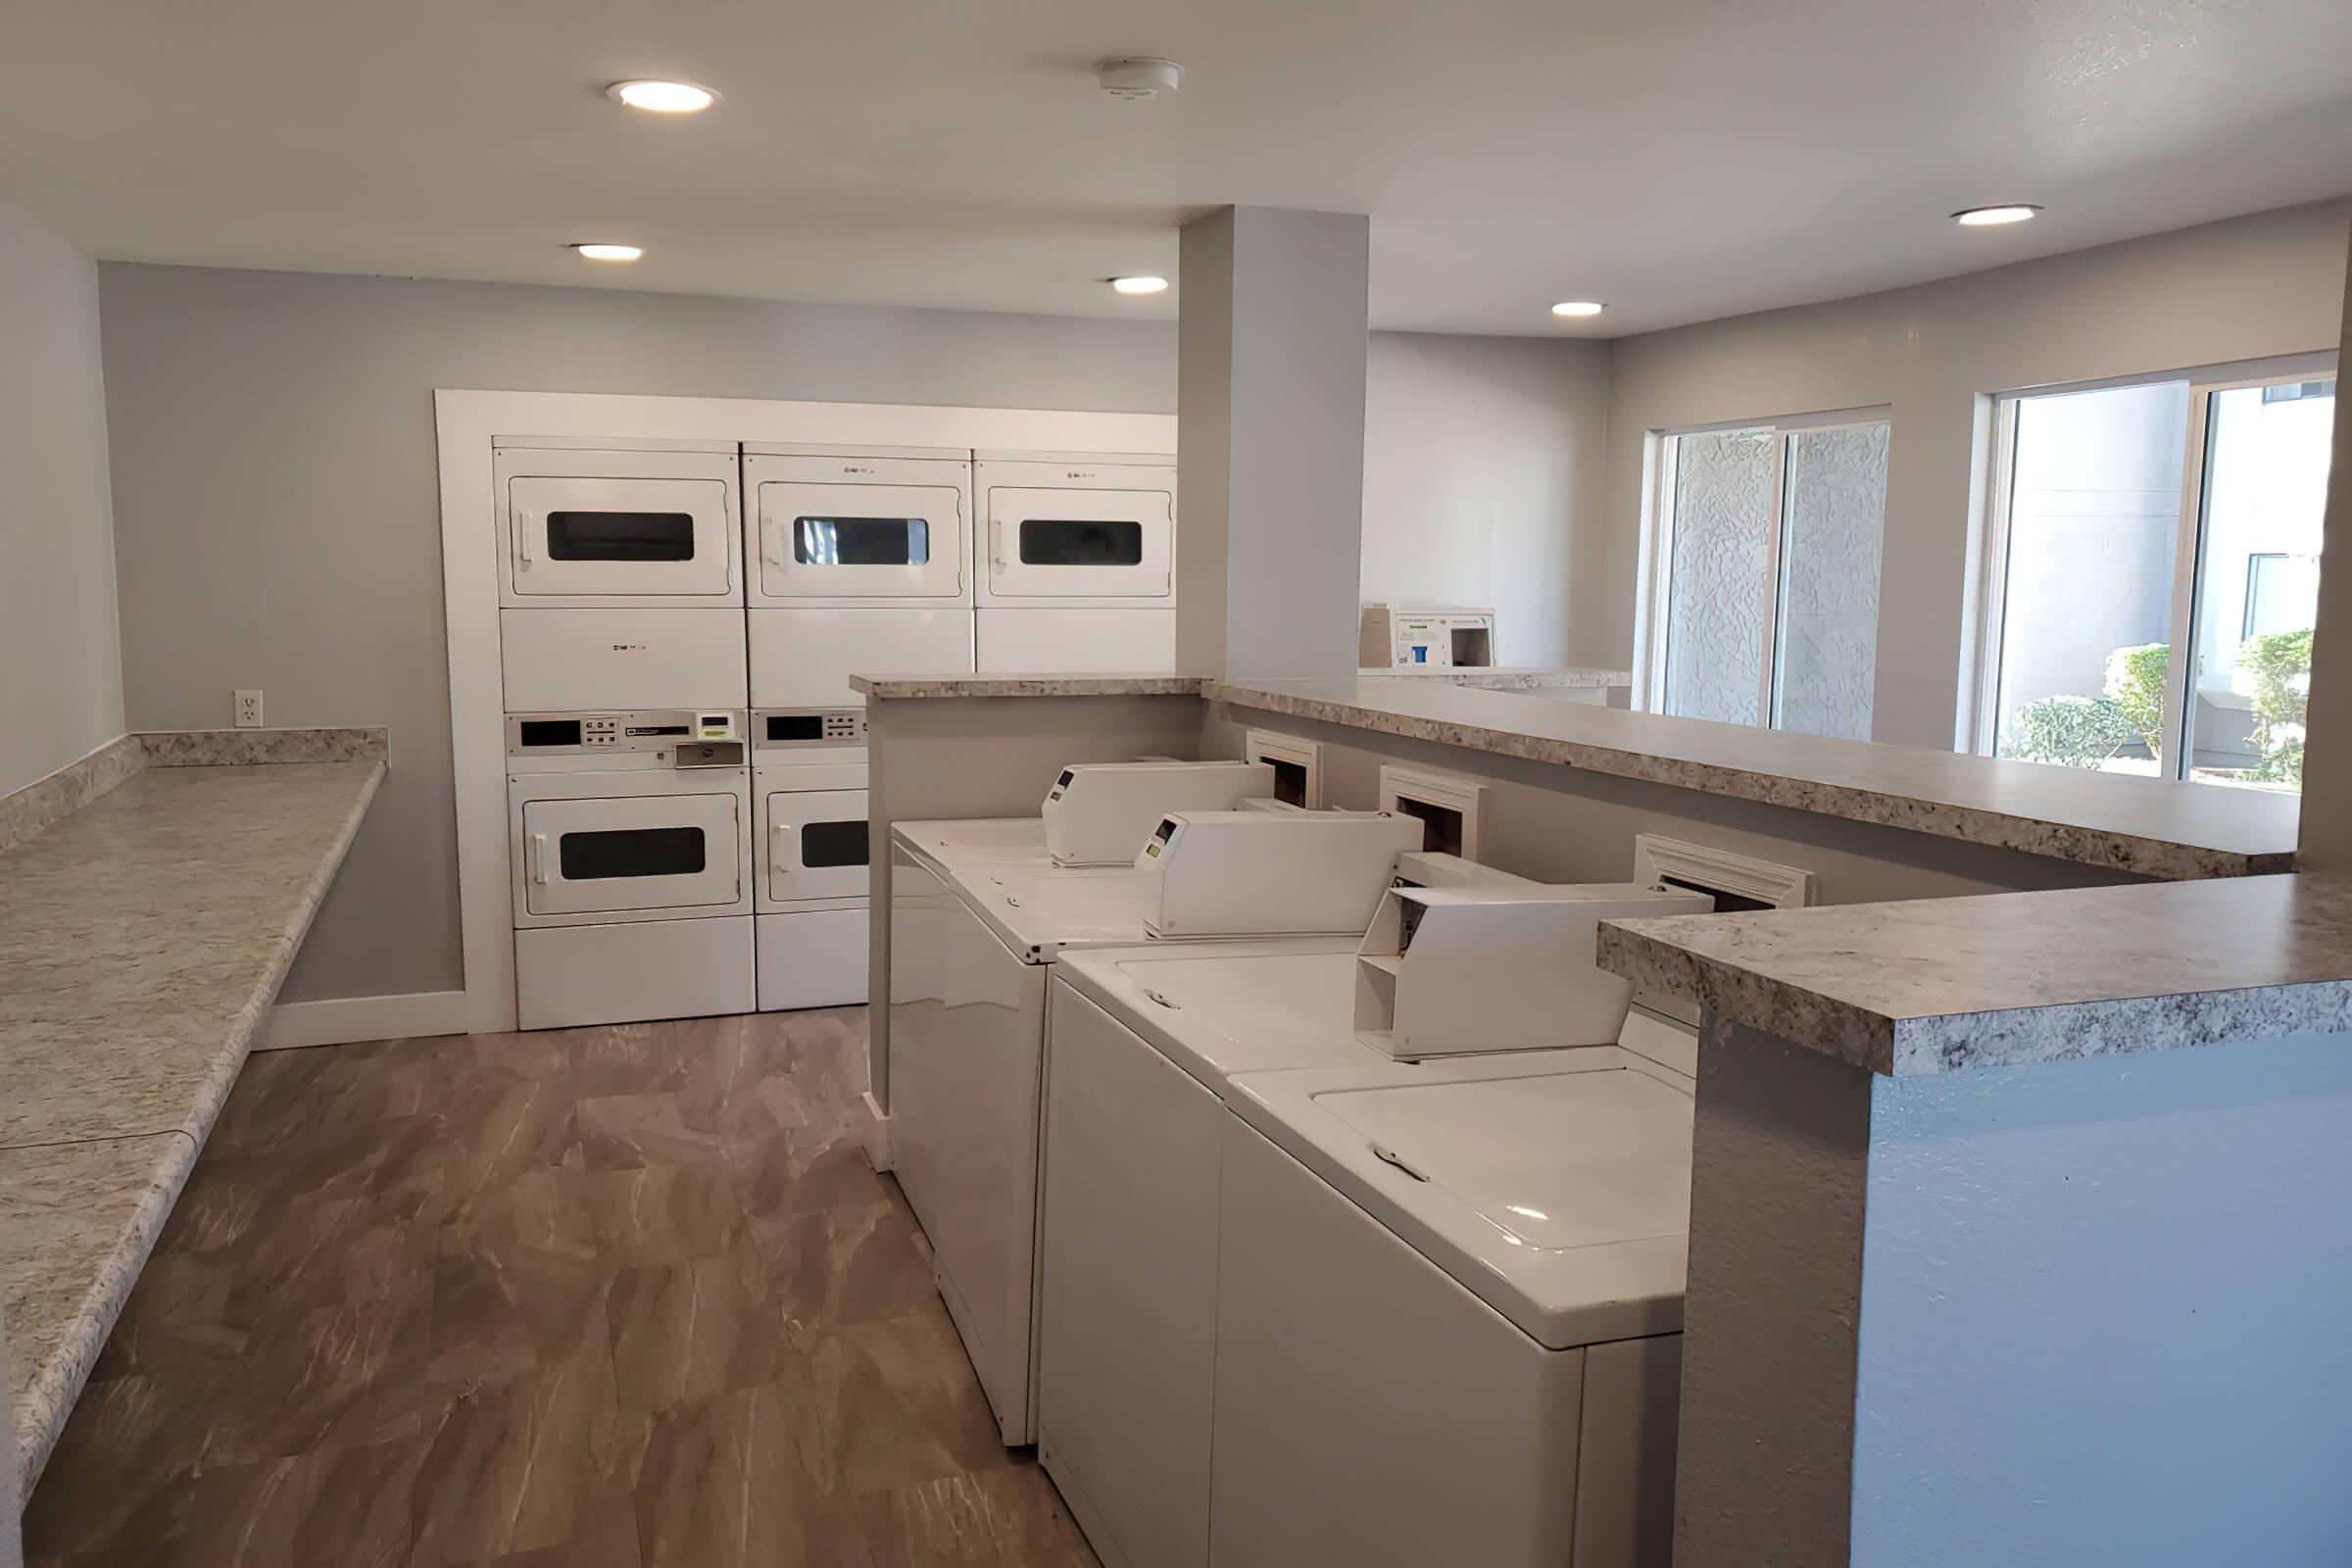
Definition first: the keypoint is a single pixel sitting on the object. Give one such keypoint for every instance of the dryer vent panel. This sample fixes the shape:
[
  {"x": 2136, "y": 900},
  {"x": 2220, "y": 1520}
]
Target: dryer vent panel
[
  {"x": 1451, "y": 807},
  {"x": 1298, "y": 767}
]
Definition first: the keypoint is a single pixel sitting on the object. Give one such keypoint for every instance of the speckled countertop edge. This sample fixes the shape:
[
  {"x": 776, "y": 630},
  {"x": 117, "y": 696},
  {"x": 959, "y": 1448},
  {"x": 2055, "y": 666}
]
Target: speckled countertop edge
[
  {"x": 2134, "y": 854},
  {"x": 888, "y": 688},
  {"x": 50, "y": 1388}
]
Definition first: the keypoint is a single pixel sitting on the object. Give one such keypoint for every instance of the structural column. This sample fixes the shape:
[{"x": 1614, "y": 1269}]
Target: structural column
[
  {"x": 1270, "y": 441},
  {"x": 2328, "y": 753}
]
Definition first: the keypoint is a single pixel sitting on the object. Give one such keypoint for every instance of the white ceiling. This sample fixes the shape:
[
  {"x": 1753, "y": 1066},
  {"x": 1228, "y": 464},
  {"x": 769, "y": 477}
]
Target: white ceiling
[{"x": 1679, "y": 159}]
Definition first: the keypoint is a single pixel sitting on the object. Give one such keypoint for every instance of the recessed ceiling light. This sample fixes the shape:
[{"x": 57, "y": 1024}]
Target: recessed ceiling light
[
  {"x": 1988, "y": 217},
  {"x": 663, "y": 97},
  {"x": 611, "y": 253},
  {"x": 1139, "y": 286},
  {"x": 1577, "y": 308}
]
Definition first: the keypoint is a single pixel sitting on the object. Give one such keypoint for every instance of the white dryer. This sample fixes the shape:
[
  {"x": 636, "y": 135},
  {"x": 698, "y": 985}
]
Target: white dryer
[
  {"x": 811, "y": 883},
  {"x": 621, "y": 582},
  {"x": 859, "y": 565},
  {"x": 1145, "y": 1048},
  {"x": 971, "y": 947},
  {"x": 630, "y": 841},
  {"x": 1075, "y": 568}
]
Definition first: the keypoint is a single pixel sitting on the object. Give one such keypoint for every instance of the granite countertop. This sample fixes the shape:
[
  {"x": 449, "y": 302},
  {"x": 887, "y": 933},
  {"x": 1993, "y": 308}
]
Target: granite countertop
[
  {"x": 1508, "y": 678},
  {"x": 885, "y": 688},
  {"x": 142, "y": 939},
  {"x": 2145, "y": 826},
  {"x": 1940, "y": 985}
]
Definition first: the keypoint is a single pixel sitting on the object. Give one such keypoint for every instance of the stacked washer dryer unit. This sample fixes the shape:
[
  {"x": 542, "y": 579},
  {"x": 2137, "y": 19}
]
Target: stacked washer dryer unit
[
  {"x": 858, "y": 562},
  {"x": 1074, "y": 567},
  {"x": 629, "y": 814}
]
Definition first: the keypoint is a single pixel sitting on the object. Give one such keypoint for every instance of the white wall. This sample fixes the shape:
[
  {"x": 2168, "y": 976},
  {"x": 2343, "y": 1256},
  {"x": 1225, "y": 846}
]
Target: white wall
[
  {"x": 60, "y": 669},
  {"x": 2253, "y": 288},
  {"x": 1481, "y": 457}
]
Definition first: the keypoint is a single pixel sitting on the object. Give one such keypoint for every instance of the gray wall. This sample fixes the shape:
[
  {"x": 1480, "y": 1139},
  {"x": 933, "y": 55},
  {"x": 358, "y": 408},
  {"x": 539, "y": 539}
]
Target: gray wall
[
  {"x": 1481, "y": 456},
  {"x": 2252, "y": 287},
  {"x": 2327, "y": 762},
  {"x": 279, "y": 514},
  {"x": 61, "y": 672}
]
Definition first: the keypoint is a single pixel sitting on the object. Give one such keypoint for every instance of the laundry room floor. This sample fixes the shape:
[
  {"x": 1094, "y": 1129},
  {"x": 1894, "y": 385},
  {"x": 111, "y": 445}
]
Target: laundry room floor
[{"x": 619, "y": 1298}]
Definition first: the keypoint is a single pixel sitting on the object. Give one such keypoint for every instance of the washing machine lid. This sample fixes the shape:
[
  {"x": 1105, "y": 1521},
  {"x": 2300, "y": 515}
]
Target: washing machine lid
[
  {"x": 1555, "y": 1185},
  {"x": 1007, "y": 843},
  {"x": 1038, "y": 915},
  {"x": 1225, "y": 1008}
]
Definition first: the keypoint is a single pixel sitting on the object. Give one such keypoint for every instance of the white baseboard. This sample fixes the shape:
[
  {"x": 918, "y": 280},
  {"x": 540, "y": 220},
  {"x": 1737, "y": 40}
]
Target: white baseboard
[
  {"x": 344, "y": 1020},
  {"x": 876, "y": 1135}
]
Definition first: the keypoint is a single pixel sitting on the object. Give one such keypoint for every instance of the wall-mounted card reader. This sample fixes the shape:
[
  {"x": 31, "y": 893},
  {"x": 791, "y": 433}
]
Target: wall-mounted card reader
[
  {"x": 1454, "y": 972},
  {"x": 1099, "y": 813},
  {"x": 622, "y": 731},
  {"x": 1263, "y": 873}
]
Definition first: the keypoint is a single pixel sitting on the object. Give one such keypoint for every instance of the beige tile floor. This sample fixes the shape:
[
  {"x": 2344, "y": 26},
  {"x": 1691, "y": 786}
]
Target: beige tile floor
[{"x": 622, "y": 1298}]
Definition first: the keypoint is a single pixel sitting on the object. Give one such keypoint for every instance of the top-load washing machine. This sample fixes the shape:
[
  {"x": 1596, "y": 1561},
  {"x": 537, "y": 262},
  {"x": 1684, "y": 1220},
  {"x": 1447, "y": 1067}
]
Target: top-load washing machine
[
  {"x": 1147, "y": 1049},
  {"x": 1074, "y": 567},
  {"x": 858, "y": 565},
  {"x": 621, "y": 579},
  {"x": 971, "y": 950}
]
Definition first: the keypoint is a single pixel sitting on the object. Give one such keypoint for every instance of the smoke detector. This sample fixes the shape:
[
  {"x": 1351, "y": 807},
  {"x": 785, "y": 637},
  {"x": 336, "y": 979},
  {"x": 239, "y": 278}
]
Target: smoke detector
[{"x": 1139, "y": 79}]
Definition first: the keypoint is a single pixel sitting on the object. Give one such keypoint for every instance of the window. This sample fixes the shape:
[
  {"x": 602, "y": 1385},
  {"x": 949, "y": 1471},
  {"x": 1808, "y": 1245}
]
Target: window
[
  {"x": 619, "y": 536},
  {"x": 1079, "y": 542},
  {"x": 1765, "y": 606},
  {"x": 2134, "y": 521},
  {"x": 861, "y": 541}
]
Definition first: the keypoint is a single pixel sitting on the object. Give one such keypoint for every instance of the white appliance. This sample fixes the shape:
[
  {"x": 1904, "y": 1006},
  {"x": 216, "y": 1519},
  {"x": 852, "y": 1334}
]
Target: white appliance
[
  {"x": 571, "y": 661},
  {"x": 630, "y": 525},
  {"x": 971, "y": 947},
  {"x": 1419, "y": 637},
  {"x": 629, "y": 843},
  {"x": 1099, "y": 814},
  {"x": 1074, "y": 567},
  {"x": 1265, "y": 873},
  {"x": 810, "y": 886},
  {"x": 1474, "y": 971},
  {"x": 859, "y": 560},
  {"x": 1146, "y": 1046}
]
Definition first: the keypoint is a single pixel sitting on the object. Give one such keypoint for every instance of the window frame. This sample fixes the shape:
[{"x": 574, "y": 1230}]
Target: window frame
[
  {"x": 1654, "y": 617},
  {"x": 2188, "y": 536}
]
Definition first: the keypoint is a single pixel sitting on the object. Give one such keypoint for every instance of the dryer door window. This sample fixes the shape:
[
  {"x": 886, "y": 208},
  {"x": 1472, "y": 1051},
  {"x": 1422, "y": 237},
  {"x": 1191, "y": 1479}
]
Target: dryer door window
[
  {"x": 635, "y": 853},
  {"x": 1072, "y": 544},
  {"x": 860, "y": 541},
  {"x": 817, "y": 844},
  {"x": 579, "y": 538}
]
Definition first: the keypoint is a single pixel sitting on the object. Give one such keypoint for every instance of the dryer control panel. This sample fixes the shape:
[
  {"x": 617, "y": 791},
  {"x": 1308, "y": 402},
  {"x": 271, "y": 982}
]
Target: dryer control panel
[
  {"x": 635, "y": 730},
  {"x": 794, "y": 727}
]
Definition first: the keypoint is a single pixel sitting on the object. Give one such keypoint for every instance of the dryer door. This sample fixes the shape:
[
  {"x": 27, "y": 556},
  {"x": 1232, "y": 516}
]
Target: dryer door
[
  {"x": 634, "y": 853},
  {"x": 1074, "y": 544},
  {"x": 860, "y": 541},
  {"x": 817, "y": 844},
  {"x": 572, "y": 537}
]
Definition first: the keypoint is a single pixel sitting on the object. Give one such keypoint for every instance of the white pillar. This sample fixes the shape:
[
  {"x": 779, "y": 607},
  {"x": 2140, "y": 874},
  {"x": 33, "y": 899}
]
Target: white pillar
[
  {"x": 2328, "y": 753},
  {"x": 1270, "y": 441}
]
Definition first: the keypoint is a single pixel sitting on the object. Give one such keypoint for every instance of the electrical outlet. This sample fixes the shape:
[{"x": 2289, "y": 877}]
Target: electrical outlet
[{"x": 249, "y": 710}]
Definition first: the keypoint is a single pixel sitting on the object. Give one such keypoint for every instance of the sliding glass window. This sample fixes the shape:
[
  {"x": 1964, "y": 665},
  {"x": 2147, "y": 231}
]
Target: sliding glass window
[
  {"x": 1764, "y": 608},
  {"x": 2130, "y": 521}
]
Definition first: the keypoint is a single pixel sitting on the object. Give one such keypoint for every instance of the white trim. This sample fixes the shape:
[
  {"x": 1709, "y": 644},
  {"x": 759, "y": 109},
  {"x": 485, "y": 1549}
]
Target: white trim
[
  {"x": 344, "y": 1020},
  {"x": 1450, "y": 792},
  {"x": 1271, "y": 745},
  {"x": 467, "y": 423},
  {"x": 1783, "y": 887}
]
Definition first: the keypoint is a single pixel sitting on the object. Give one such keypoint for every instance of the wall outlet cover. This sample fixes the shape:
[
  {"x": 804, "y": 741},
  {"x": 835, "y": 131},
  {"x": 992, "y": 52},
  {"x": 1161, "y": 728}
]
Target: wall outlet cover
[{"x": 249, "y": 710}]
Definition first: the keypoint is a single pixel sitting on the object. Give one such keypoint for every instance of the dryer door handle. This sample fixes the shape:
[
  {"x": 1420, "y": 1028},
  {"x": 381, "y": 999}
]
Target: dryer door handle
[
  {"x": 767, "y": 531},
  {"x": 539, "y": 858},
  {"x": 996, "y": 541},
  {"x": 781, "y": 833},
  {"x": 523, "y": 540}
]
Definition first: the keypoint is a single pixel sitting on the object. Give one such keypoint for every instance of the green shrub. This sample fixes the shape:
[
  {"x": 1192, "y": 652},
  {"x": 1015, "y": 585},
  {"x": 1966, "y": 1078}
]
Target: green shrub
[
  {"x": 2072, "y": 731},
  {"x": 2280, "y": 662},
  {"x": 2135, "y": 678}
]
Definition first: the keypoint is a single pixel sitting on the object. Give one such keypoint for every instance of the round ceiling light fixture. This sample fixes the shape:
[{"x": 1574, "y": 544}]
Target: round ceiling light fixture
[
  {"x": 599, "y": 251},
  {"x": 1139, "y": 79},
  {"x": 1139, "y": 286},
  {"x": 663, "y": 97},
  {"x": 1577, "y": 308},
  {"x": 1993, "y": 216}
]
